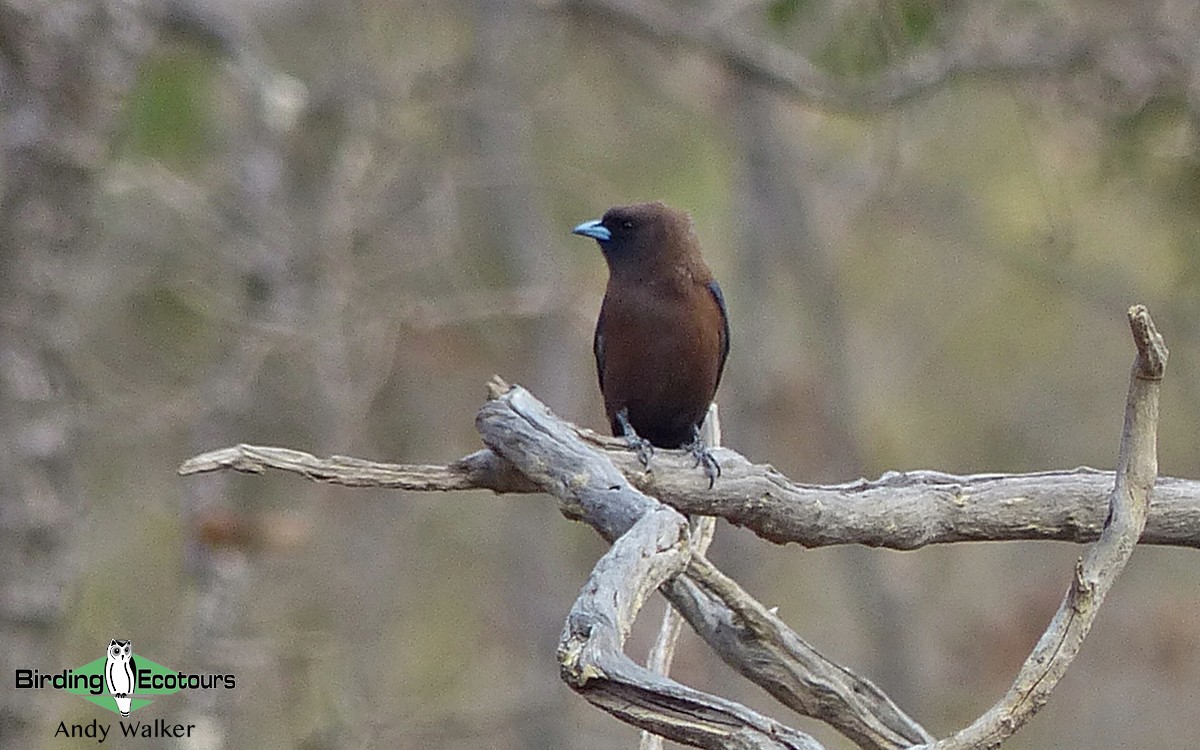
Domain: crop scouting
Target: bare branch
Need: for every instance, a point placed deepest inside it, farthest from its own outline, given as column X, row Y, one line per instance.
column 900, row 510
column 701, row 530
column 556, row 458
column 530, row 449
column 649, row 547
column 1096, row 571
column 354, row 472
column 589, row 488
column 593, row 664
column 759, row 645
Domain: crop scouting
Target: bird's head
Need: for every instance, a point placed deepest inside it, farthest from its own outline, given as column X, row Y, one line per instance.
column 640, row 233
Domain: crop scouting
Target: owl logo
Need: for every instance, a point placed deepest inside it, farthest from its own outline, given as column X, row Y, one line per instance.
column 119, row 671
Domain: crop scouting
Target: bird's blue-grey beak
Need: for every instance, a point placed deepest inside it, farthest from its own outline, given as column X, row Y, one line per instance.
column 593, row 229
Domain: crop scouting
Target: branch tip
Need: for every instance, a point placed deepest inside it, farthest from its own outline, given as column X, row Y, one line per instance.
column 1152, row 350
column 497, row 387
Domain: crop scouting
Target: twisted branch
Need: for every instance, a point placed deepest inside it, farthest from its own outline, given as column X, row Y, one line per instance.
column 598, row 482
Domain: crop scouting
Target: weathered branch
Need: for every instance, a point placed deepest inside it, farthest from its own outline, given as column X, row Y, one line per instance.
column 649, row 547
column 518, row 427
column 593, row 663
column 529, row 449
column 549, row 456
column 759, row 645
column 1096, row 571
column 900, row 510
column 701, row 531
column 771, row 655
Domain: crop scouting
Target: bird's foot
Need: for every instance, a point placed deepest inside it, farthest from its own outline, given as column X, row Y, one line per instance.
column 645, row 451
column 704, row 457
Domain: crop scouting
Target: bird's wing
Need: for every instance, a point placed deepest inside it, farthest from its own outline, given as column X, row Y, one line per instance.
column 598, row 347
column 715, row 289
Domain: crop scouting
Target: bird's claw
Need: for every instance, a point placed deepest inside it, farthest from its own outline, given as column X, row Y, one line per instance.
column 645, row 451
column 704, row 457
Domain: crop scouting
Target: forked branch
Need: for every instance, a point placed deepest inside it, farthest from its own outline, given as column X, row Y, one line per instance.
column 598, row 482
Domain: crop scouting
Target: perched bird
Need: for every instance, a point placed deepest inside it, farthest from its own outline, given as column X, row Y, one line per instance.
column 662, row 336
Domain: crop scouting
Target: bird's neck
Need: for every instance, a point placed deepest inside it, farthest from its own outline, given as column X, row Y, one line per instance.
column 661, row 277
column 676, row 276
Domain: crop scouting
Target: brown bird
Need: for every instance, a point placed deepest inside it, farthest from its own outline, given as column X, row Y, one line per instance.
column 663, row 335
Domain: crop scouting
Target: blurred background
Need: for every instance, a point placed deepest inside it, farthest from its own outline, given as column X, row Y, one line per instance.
column 325, row 225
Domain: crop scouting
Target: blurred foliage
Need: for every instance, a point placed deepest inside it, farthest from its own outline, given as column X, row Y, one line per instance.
column 783, row 13
column 869, row 38
column 171, row 106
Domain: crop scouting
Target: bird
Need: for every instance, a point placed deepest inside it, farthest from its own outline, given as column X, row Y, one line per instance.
column 662, row 336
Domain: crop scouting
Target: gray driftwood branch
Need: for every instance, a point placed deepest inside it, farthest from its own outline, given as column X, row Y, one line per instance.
column 1095, row 572
column 593, row 662
column 531, row 450
column 596, row 481
column 589, row 488
column 701, row 530
column 899, row 510
column 520, row 429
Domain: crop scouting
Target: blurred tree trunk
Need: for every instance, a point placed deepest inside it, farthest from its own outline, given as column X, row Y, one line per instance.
column 508, row 219
column 65, row 68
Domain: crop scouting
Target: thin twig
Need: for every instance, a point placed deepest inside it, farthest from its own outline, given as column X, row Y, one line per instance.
column 701, row 530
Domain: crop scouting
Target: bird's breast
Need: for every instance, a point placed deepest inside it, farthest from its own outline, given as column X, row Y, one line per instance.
column 662, row 358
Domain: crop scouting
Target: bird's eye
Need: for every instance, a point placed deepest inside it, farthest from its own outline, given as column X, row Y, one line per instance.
column 627, row 224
